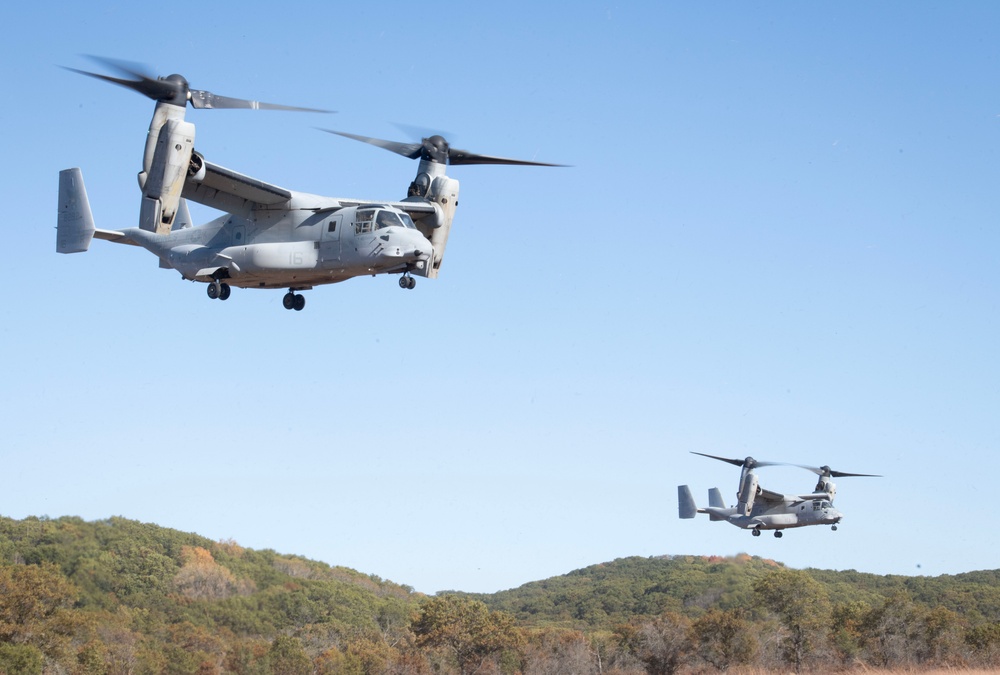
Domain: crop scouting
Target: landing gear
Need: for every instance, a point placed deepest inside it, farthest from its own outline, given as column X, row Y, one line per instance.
column 778, row 534
column 293, row 301
column 219, row 290
column 407, row 282
column 755, row 532
column 833, row 527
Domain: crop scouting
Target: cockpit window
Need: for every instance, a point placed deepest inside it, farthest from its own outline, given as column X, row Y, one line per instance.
column 363, row 221
column 387, row 219
column 407, row 221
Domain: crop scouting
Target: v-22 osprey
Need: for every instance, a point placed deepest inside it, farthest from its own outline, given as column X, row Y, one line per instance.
column 270, row 237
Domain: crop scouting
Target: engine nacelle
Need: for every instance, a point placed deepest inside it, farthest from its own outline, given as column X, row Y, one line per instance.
column 443, row 193
column 165, row 176
column 748, row 493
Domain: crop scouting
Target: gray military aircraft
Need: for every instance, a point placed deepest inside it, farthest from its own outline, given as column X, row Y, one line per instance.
column 759, row 509
column 269, row 237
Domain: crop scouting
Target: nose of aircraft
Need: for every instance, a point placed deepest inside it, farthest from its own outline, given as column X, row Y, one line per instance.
column 422, row 248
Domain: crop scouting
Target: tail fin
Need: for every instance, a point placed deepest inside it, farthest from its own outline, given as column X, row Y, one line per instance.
column 686, row 508
column 75, row 227
column 715, row 498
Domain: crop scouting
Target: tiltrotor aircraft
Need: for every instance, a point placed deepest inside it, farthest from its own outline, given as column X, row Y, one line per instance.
column 270, row 237
column 760, row 509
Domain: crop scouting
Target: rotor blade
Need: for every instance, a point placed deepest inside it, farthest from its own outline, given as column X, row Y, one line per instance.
column 827, row 471
column 154, row 89
column 749, row 461
column 175, row 89
column 207, row 100
column 457, row 157
column 408, row 150
column 734, row 462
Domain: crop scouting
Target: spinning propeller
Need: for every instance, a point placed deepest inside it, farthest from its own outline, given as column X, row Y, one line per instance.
column 436, row 149
column 174, row 89
column 748, row 463
column 827, row 472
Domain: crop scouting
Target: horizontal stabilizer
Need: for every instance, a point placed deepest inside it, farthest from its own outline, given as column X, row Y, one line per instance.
column 75, row 226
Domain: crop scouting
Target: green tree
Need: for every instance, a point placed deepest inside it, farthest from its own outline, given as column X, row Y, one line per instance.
column 889, row 631
column 20, row 660
column 984, row 640
column 724, row 638
column 847, row 629
column 466, row 629
column 942, row 636
column 803, row 608
column 287, row 657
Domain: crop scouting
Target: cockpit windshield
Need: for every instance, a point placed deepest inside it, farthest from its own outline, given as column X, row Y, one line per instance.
column 393, row 219
column 387, row 219
column 407, row 221
column 368, row 220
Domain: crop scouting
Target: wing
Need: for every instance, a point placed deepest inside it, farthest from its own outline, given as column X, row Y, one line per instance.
column 231, row 191
column 773, row 497
column 778, row 498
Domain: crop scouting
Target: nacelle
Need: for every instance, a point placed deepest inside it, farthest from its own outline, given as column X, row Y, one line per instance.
column 165, row 177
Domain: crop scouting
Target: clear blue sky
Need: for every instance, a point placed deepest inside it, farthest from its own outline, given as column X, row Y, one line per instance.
column 779, row 237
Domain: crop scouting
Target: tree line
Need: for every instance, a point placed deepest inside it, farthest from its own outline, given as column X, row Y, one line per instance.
column 117, row 597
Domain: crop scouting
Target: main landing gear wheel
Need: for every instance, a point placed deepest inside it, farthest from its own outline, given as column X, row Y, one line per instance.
column 293, row 301
column 755, row 532
column 219, row 290
column 409, row 283
column 777, row 534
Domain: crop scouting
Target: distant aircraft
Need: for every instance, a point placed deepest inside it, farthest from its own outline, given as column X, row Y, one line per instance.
column 759, row 509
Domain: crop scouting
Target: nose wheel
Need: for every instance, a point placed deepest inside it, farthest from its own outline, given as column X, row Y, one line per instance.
column 292, row 300
column 407, row 282
column 219, row 290
column 778, row 534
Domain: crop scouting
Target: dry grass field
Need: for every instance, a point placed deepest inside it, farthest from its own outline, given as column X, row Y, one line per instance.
column 867, row 671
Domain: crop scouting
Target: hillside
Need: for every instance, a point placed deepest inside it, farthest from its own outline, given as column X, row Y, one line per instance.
column 118, row 597
column 600, row 596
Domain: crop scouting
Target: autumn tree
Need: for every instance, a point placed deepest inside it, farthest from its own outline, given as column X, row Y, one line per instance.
column 558, row 652
column 847, row 629
column 802, row 607
column 984, row 640
column 466, row 629
column 941, row 639
column 889, row 631
column 201, row 578
column 661, row 645
column 34, row 607
column 724, row 638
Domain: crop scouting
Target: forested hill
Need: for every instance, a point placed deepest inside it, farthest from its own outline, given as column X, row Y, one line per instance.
column 120, row 597
column 603, row 595
column 116, row 566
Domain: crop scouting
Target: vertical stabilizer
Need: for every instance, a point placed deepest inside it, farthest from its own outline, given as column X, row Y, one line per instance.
column 75, row 226
column 715, row 498
column 686, row 508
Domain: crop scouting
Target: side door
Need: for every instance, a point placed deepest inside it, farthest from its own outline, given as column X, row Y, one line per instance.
column 329, row 244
